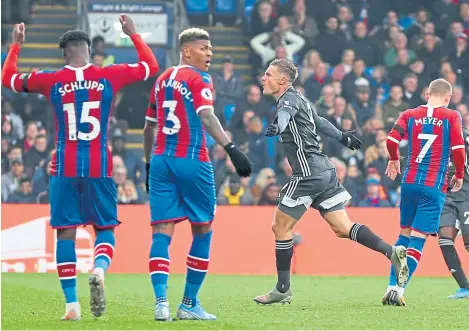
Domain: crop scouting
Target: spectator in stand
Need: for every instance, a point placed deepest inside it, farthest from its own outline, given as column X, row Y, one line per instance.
column 266, row 176
column 401, row 69
column 444, row 13
column 133, row 164
column 303, row 24
column 263, row 18
column 355, row 184
column 257, row 145
column 399, row 43
column 348, row 83
column 284, row 171
column 99, row 47
column 394, row 106
column 417, row 41
column 228, row 86
column 98, row 59
column 16, row 121
column 411, row 93
column 456, row 29
column 325, row 102
column 309, row 65
column 338, row 112
column 373, row 198
column 35, row 155
column 14, row 153
column 384, row 31
column 459, row 57
column 240, row 129
column 372, row 153
column 270, row 195
column 24, row 194
column 254, row 102
column 362, row 108
column 464, row 13
column 316, row 81
column 40, row 180
column 11, row 180
column 364, row 46
column 457, row 97
column 331, row 43
column 463, row 109
column 345, row 65
column 127, row 193
column 282, row 36
column 346, row 21
column 30, row 136
column 419, row 23
column 7, row 130
column 430, row 53
column 234, row 194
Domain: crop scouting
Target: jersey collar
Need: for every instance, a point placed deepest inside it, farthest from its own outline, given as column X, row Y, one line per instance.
column 290, row 87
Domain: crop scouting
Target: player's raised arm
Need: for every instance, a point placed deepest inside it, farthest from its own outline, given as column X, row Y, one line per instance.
column 35, row 82
column 147, row 66
column 458, row 151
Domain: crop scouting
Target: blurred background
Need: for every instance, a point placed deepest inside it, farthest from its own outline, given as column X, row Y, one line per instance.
column 361, row 63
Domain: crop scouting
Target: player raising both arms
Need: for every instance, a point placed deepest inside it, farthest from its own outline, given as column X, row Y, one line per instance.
column 434, row 131
column 181, row 181
column 314, row 181
column 456, row 208
column 82, row 190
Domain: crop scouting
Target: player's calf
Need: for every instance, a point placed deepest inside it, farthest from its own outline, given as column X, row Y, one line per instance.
column 103, row 253
column 66, row 260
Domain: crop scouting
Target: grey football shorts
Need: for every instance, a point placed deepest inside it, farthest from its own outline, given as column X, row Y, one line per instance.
column 322, row 192
column 455, row 214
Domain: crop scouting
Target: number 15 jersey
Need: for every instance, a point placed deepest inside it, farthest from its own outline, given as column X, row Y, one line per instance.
column 176, row 98
column 433, row 134
column 82, row 100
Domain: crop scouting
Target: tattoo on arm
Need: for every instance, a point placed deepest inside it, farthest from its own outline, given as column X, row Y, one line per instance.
column 213, row 127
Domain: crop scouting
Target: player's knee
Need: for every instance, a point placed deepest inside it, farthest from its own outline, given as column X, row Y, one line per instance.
column 66, row 234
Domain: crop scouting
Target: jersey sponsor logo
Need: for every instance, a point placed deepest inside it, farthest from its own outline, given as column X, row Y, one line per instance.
column 177, row 86
column 81, row 85
column 429, row 120
column 206, row 94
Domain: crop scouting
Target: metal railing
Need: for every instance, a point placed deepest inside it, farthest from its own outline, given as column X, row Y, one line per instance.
column 82, row 16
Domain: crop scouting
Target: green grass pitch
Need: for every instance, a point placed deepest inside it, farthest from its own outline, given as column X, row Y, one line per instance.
column 34, row 301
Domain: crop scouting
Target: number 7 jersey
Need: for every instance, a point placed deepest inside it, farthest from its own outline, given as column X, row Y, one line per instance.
column 433, row 134
column 176, row 98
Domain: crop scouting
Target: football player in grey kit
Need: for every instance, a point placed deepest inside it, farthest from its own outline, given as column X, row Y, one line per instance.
column 314, row 182
column 456, row 208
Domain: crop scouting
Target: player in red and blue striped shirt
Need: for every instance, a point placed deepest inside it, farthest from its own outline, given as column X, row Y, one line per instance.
column 81, row 188
column 181, row 181
column 434, row 132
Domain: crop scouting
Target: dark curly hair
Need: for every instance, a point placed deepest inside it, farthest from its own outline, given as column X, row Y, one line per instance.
column 75, row 37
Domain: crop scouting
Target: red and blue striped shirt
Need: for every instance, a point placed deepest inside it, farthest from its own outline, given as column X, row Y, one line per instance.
column 177, row 97
column 82, row 100
column 433, row 133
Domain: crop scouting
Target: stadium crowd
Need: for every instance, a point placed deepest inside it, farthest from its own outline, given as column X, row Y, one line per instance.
column 361, row 64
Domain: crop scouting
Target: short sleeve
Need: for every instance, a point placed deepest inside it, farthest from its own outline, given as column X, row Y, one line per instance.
column 289, row 103
column 151, row 110
column 202, row 92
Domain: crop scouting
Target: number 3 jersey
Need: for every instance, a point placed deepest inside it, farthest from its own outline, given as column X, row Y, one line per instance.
column 434, row 134
column 177, row 97
column 81, row 99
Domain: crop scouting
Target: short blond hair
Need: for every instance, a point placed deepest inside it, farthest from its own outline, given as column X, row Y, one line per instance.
column 287, row 68
column 440, row 87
